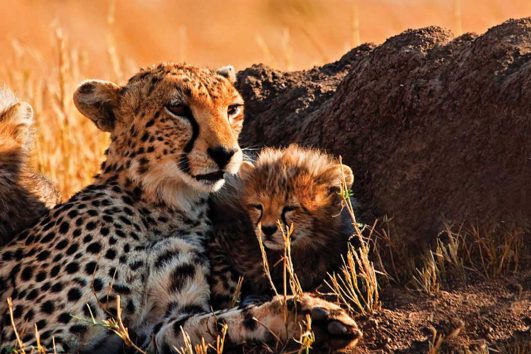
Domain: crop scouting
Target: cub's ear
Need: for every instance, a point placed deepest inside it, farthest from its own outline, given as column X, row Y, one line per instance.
column 245, row 170
column 336, row 174
column 98, row 100
column 20, row 113
column 227, row 72
column 18, row 119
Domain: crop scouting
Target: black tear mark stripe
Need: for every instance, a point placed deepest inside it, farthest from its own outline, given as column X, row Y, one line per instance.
column 184, row 162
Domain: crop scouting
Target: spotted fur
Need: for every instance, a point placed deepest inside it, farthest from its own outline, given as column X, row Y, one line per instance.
column 24, row 194
column 140, row 230
column 292, row 186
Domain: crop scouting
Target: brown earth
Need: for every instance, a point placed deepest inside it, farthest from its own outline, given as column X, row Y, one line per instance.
column 437, row 130
column 493, row 315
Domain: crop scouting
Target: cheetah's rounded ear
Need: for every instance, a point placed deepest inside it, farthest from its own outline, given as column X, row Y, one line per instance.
column 18, row 119
column 338, row 174
column 98, row 100
column 227, row 72
column 245, row 169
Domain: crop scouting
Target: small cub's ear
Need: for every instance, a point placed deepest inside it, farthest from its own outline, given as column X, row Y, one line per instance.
column 245, row 170
column 20, row 113
column 18, row 120
column 227, row 72
column 98, row 101
column 336, row 174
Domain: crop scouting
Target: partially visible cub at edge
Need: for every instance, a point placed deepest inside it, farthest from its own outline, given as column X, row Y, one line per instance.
column 24, row 194
column 296, row 186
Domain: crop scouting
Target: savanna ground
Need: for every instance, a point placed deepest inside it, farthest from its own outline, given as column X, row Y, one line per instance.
column 470, row 294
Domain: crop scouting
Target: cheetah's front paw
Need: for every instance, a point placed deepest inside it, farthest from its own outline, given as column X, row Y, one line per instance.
column 332, row 326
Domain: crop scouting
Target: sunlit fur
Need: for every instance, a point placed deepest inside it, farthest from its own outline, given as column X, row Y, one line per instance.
column 304, row 179
column 140, row 230
column 154, row 159
column 24, row 194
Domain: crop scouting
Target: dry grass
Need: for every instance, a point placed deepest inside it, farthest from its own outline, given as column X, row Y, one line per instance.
column 43, row 67
column 464, row 253
column 20, row 347
column 356, row 285
column 113, row 37
column 290, row 286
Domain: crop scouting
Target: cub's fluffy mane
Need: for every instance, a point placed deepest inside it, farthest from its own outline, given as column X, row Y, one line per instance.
column 291, row 170
column 312, row 161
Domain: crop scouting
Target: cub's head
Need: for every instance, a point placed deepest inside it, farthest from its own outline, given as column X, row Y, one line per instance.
column 294, row 186
column 16, row 119
column 170, row 124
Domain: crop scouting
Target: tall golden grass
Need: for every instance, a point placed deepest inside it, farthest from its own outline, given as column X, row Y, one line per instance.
column 48, row 47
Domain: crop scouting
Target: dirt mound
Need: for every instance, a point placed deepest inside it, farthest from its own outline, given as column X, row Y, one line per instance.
column 435, row 128
column 496, row 314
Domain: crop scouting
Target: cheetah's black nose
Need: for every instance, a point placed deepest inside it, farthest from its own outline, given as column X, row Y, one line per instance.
column 269, row 230
column 221, row 155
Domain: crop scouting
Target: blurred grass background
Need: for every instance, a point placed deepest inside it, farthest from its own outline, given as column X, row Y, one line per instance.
column 48, row 47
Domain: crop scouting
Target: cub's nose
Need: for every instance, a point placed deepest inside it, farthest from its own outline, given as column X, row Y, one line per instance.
column 221, row 155
column 269, row 230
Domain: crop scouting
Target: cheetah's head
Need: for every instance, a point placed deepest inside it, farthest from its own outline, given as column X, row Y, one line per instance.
column 294, row 186
column 169, row 124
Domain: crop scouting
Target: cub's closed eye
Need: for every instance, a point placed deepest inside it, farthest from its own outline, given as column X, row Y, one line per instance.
column 179, row 110
column 289, row 208
column 256, row 206
column 234, row 109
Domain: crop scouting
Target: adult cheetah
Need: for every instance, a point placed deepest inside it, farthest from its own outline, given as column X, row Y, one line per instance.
column 139, row 230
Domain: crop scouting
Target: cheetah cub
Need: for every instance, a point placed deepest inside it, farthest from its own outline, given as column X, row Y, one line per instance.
column 285, row 186
column 24, row 194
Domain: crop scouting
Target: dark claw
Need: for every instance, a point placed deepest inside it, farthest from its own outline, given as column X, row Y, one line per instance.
column 319, row 314
column 336, row 328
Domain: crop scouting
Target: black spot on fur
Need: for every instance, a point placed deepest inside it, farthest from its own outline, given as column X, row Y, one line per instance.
column 180, row 275
column 55, row 270
column 97, row 284
column 40, row 276
column 57, row 287
column 165, row 258
column 64, row 318
column 27, row 273
column 72, row 267
column 121, row 289
column 61, row 245
column 94, row 247
column 90, row 268
column 48, row 307
column 110, row 254
column 32, row 294
column 74, row 294
column 63, row 228
column 248, row 321
column 78, row 329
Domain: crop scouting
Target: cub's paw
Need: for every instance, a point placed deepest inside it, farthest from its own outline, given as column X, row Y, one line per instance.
column 332, row 326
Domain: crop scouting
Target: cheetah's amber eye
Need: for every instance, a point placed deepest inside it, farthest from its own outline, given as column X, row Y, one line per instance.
column 179, row 110
column 234, row 110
